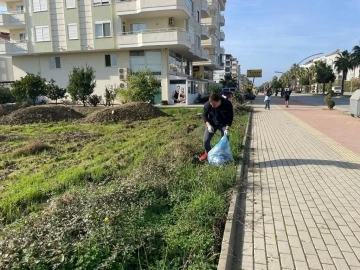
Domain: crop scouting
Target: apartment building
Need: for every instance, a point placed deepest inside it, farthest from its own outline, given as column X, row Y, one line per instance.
column 115, row 37
column 229, row 66
column 330, row 60
column 6, row 74
column 211, row 36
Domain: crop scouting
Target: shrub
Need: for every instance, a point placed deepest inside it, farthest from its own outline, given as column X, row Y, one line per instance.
column 31, row 86
column 238, row 96
column 328, row 101
column 54, row 92
column 110, row 94
column 81, row 83
column 6, row 96
column 215, row 88
column 124, row 95
column 94, row 100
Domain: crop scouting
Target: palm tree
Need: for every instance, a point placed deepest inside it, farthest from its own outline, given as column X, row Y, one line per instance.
column 294, row 73
column 311, row 74
column 343, row 63
column 228, row 81
column 356, row 56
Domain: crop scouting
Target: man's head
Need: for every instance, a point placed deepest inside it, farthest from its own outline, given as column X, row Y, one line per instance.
column 215, row 100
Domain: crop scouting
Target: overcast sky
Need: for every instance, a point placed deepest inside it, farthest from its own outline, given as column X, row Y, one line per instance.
column 273, row 34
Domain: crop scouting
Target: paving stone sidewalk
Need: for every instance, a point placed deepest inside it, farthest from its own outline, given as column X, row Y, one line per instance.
column 303, row 197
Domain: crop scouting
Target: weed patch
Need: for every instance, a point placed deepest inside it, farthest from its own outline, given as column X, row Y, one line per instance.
column 130, row 196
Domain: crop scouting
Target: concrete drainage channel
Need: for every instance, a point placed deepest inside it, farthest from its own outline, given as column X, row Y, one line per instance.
column 233, row 234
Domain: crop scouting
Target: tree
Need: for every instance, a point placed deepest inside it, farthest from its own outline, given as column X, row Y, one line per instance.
column 228, row 81
column 356, row 56
column 31, row 86
column 304, row 80
column 81, row 83
column 324, row 74
column 343, row 63
column 6, row 95
column 143, row 85
column 54, row 92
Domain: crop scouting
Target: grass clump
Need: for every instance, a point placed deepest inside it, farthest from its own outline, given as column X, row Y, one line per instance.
column 126, row 198
column 32, row 148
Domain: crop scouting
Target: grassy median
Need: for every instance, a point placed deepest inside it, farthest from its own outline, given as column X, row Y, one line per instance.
column 114, row 196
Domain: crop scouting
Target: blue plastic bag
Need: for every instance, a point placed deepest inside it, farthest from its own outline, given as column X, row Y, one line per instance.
column 221, row 153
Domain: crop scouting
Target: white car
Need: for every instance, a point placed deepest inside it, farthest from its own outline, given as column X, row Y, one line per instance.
column 336, row 89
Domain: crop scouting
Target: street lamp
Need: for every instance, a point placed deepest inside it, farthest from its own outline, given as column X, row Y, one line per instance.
column 308, row 57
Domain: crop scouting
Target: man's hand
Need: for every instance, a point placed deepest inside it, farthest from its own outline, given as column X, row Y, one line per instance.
column 210, row 129
column 227, row 132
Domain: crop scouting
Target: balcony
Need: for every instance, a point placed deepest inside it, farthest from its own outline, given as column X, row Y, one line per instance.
column 222, row 36
column 222, row 4
column 222, row 20
column 212, row 22
column 155, row 38
column 205, row 9
column 205, row 32
column 205, row 53
column 141, row 9
column 210, row 43
column 222, row 50
column 10, row 20
column 13, row 47
column 213, row 4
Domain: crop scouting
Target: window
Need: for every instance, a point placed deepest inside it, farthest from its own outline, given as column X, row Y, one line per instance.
column 40, row 5
column 70, row 4
column 102, row 29
column 110, row 60
column 101, row 2
column 42, row 33
column 55, row 63
column 72, row 31
column 20, row 9
column 22, row 37
column 139, row 60
column 138, row 27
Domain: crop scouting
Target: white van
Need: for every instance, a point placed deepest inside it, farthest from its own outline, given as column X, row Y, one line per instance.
column 336, row 89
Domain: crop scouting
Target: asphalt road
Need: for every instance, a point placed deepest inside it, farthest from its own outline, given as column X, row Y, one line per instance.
column 341, row 103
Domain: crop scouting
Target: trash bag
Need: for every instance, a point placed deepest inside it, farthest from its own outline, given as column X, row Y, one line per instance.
column 221, row 153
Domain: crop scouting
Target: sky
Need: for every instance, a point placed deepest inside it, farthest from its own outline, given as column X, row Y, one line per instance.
column 274, row 34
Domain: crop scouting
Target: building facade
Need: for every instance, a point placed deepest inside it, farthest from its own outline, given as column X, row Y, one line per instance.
column 114, row 37
column 211, row 37
column 229, row 66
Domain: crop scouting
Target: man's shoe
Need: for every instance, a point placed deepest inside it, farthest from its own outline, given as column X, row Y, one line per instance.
column 203, row 157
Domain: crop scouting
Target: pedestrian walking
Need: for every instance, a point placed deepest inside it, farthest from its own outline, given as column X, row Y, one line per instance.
column 267, row 99
column 218, row 114
column 287, row 96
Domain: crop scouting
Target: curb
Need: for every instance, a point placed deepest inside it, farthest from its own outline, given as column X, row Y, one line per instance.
column 238, row 198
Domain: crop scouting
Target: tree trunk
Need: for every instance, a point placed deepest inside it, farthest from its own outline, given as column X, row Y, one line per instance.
column 56, row 101
column 34, row 100
column 324, row 84
column 343, row 83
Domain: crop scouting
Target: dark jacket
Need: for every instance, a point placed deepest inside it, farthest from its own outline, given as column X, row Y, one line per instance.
column 221, row 116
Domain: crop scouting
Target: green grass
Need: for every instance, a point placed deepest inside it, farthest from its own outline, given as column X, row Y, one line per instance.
column 117, row 196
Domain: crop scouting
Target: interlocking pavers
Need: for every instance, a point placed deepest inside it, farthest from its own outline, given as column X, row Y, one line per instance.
column 303, row 192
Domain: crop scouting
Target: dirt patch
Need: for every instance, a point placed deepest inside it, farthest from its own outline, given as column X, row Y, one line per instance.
column 41, row 114
column 128, row 113
column 87, row 110
column 32, row 148
column 6, row 109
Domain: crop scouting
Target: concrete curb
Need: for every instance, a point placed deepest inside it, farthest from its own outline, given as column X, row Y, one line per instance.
column 234, row 217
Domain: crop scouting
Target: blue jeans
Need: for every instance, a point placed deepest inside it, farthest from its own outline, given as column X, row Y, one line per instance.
column 267, row 104
column 208, row 136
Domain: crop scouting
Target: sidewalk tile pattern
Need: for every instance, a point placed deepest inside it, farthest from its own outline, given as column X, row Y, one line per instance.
column 303, row 197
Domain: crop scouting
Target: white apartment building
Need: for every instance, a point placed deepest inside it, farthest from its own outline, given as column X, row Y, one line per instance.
column 211, row 36
column 229, row 66
column 115, row 37
column 330, row 60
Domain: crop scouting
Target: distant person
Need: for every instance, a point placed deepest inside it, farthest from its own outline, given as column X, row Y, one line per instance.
column 182, row 95
column 218, row 114
column 287, row 96
column 268, row 93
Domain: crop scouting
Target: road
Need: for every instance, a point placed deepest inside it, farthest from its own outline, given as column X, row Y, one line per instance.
column 341, row 103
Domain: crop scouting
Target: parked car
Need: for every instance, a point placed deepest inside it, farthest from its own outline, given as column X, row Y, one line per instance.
column 336, row 89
